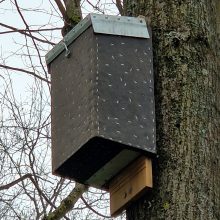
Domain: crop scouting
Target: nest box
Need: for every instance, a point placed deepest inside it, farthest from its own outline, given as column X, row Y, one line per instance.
column 103, row 113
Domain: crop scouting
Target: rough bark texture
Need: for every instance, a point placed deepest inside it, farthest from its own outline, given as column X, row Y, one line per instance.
column 67, row 204
column 187, row 87
column 73, row 15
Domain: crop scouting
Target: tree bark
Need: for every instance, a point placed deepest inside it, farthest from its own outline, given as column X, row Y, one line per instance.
column 73, row 15
column 187, row 87
column 67, row 204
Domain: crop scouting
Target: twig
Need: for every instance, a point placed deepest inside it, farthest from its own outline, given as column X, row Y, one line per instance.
column 89, row 207
column 35, row 45
column 31, row 30
column 25, row 33
column 95, row 6
column 25, row 71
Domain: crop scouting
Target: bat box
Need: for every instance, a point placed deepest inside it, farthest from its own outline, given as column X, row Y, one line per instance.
column 103, row 114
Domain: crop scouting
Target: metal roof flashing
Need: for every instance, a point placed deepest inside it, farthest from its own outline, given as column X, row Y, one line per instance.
column 103, row 24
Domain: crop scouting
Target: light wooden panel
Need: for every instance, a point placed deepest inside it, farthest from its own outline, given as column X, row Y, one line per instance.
column 130, row 184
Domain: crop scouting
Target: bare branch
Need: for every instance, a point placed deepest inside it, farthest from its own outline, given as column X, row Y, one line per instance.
column 31, row 30
column 7, row 186
column 22, row 178
column 68, row 203
column 25, row 139
column 25, row 71
column 120, row 7
column 90, row 207
column 35, row 45
column 61, row 8
column 25, row 33
column 95, row 6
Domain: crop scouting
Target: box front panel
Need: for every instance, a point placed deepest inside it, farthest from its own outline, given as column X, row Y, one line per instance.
column 125, row 90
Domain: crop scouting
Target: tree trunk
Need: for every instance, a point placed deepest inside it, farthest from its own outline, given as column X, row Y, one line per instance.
column 73, row 15
column 187, row 90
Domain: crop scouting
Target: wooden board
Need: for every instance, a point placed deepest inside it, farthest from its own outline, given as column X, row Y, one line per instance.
column 130, row 184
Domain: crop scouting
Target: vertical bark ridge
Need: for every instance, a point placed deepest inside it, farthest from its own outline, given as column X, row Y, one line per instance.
column 187, row 82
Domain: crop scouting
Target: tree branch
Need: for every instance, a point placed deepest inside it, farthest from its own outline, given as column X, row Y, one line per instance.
column 95, row 6
column 120, row 7
column 25, row 33
column 25, row 71
column 31, row 30
column 67, row 204
column 22, row 178
column 7, row 186
column 89, row 207
column 35, row 45
column 61, row 8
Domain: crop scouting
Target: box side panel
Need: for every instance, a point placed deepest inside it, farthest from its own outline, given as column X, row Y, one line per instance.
column 126, row 91
column 73, row 111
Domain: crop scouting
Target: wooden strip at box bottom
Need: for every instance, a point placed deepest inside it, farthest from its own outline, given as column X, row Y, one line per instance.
column 130, row 184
